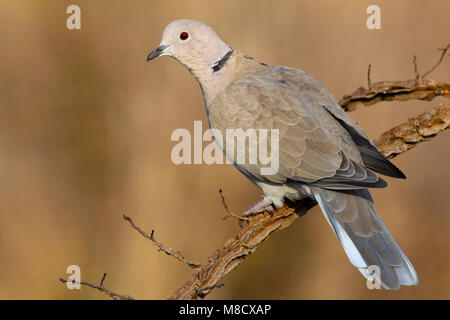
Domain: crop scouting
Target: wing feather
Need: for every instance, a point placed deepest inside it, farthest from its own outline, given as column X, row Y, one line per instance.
column 314, row 146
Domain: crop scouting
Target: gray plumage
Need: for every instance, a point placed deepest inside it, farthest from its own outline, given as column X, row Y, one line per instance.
column 323, row 154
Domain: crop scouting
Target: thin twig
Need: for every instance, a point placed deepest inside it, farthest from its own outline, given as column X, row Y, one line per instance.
column 441, row 58
column 161, row 247
column 230, row 213
column 103, row 279
column 203, row 292
column 418, row 88
column 101, row 288
column 416, row 71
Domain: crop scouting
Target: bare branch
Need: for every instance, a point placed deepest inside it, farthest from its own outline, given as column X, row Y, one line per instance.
column 369, row 82
column 418, row 129
column 101, row 288
column 420, row 89
column 202, row 292
column 237, row 249
column 441, row 58
column 230, row 213
column 416, row 71
column 161, row 247
column 103, row 279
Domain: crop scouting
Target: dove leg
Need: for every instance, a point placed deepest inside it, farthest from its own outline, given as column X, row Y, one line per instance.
column 263, row 204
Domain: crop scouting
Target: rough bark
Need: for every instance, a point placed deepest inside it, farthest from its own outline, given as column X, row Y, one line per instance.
column 420, row 89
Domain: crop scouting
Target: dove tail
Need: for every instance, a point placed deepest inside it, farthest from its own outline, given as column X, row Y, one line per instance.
column 366, row 240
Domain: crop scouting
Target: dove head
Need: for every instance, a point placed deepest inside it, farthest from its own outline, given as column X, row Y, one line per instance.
column 192, row 43
column 196, row 46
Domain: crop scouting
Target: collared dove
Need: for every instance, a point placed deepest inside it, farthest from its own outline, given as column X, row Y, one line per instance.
column 323, row 154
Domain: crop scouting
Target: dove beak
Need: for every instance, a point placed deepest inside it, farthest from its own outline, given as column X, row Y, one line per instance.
column 157, row 52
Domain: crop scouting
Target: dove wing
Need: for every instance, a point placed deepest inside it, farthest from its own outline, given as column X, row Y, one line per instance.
column 314, row 147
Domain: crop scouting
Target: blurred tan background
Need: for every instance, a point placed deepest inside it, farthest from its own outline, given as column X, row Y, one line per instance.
column 85, row 127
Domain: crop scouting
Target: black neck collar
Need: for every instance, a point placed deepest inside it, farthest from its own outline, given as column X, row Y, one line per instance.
column 222, row 61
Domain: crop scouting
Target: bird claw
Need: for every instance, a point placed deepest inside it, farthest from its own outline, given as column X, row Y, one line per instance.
column 263, row 204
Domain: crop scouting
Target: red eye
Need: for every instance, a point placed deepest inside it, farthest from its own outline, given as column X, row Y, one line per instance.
column 184, row 36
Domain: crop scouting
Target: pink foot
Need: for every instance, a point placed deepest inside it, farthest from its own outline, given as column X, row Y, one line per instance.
column 263, row 204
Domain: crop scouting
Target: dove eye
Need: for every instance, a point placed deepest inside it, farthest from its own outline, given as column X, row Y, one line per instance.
column 184, row 36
